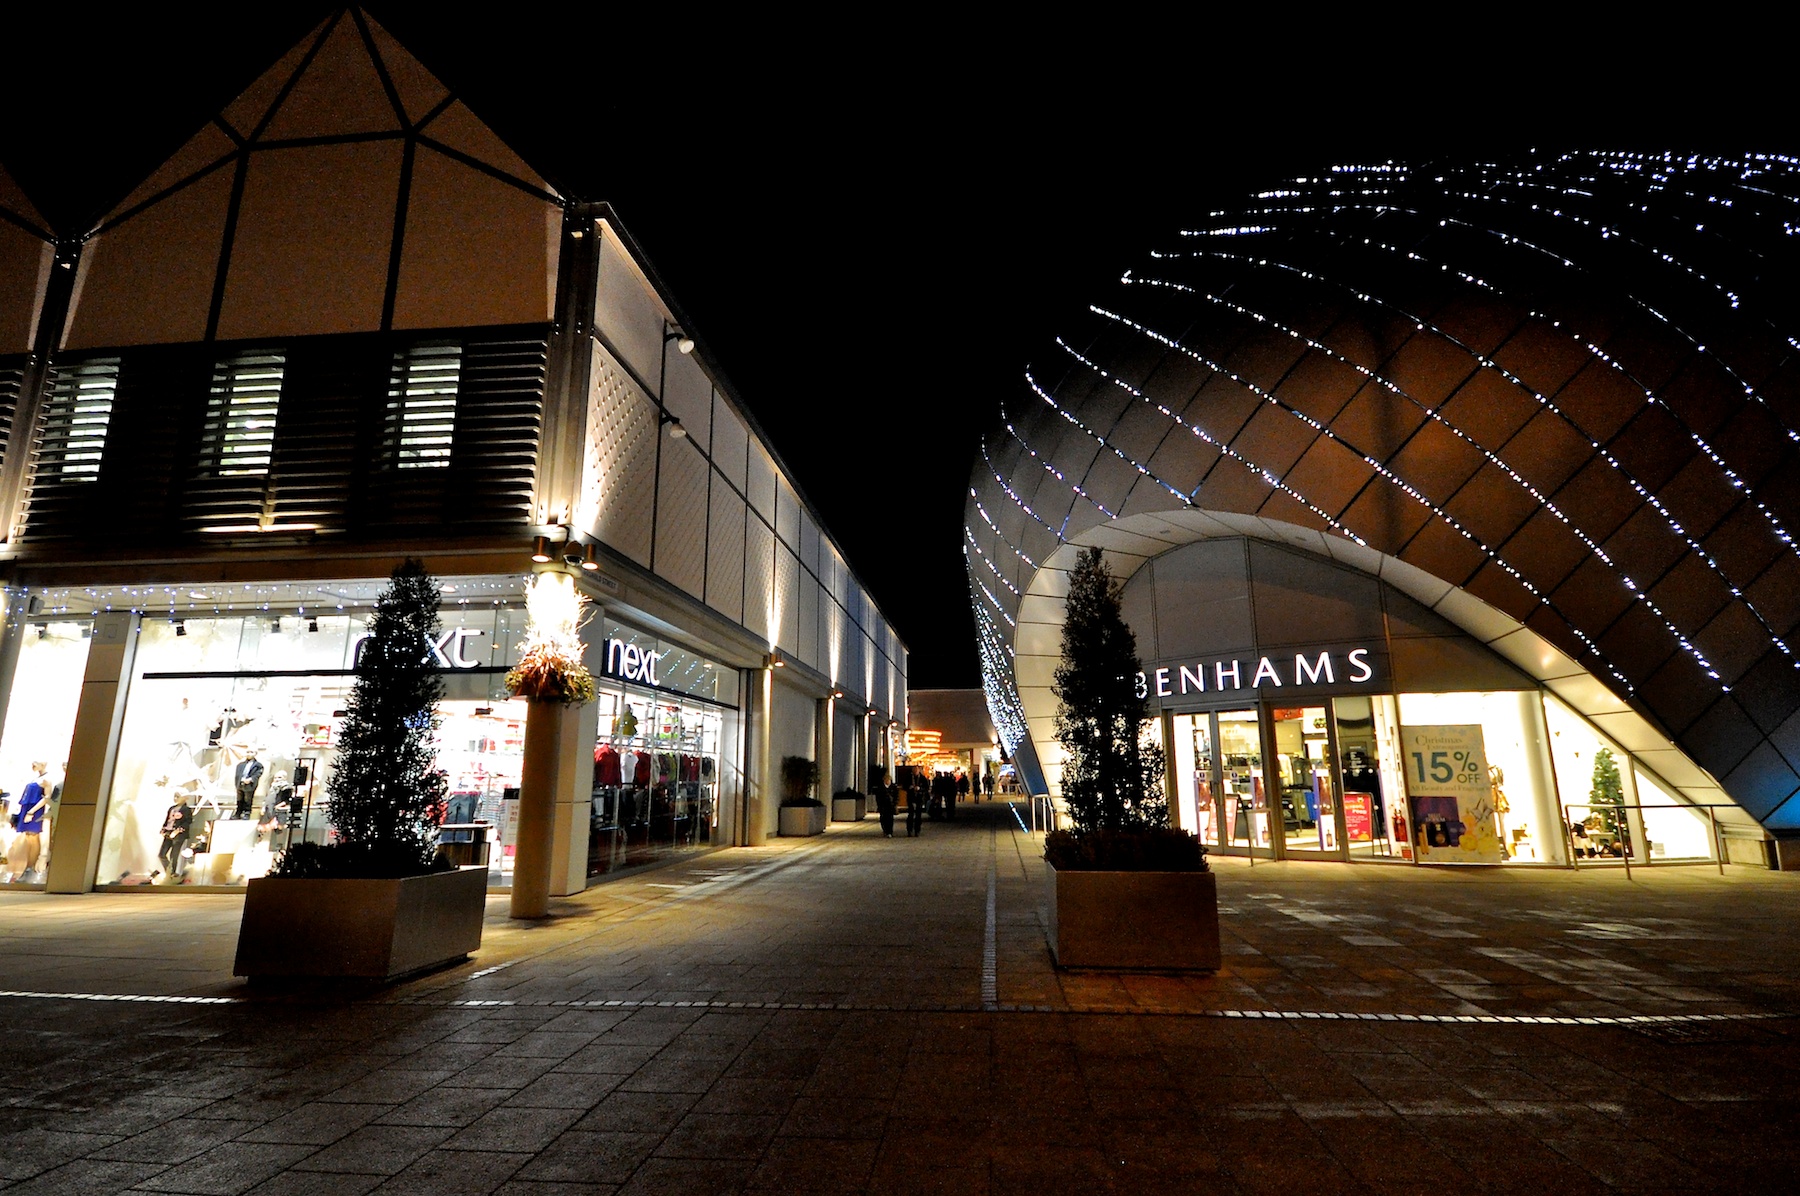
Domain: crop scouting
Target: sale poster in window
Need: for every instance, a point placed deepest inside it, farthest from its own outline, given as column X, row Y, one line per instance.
column 1451, row 796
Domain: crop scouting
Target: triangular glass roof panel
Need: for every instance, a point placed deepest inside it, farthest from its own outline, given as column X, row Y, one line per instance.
column 246, row 113
column 419, row 89
column 19, row 205
column 203, row 150
column 461, row 130
column 339, row 92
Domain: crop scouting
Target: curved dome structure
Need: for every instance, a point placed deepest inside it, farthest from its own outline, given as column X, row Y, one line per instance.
column 1554, row 404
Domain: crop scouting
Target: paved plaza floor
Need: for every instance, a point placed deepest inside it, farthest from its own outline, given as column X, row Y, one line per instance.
column 852, row 1013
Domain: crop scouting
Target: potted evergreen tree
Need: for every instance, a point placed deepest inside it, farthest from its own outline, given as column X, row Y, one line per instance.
column 801, row 812
column 376, row 902
column 1127, row 890
column 1606, row 800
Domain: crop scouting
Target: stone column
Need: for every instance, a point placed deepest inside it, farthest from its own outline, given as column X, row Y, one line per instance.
column 824, row 732
column 93, row 751
column 550, row 727
column 574, row 803
column 759, row 779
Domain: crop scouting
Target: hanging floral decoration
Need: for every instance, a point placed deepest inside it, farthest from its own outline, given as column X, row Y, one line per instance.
column 550, row 670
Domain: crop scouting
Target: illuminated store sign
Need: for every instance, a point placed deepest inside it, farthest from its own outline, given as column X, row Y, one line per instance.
column 446, row 650
column 1277, row 671
column 628, row 662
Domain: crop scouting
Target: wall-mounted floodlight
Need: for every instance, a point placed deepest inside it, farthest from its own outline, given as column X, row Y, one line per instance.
column 676, row 431
column 684, row 344
column 774, row 661
column 540, row 549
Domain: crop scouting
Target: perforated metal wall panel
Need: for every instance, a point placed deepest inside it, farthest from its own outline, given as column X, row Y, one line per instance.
column 725, row 552
column 619, row 465
column 681, row 506
column 760, row 615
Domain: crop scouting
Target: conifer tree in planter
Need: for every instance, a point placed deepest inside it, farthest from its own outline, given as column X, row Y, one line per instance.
column 801, row 812
column 376, row 902
column 1127, row 889
column 1607, row 795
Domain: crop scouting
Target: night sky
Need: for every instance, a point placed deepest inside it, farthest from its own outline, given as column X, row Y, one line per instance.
column 875, row 218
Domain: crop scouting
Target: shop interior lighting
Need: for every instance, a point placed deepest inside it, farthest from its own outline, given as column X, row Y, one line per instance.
column 43, row 630
column 312, row 624
column 684, row 344
column 275, row 625
column 180, row 627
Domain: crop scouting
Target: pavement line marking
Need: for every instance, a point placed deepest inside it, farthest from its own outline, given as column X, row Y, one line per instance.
column 990, row 983
column 1276, row 1015
column 490, row 971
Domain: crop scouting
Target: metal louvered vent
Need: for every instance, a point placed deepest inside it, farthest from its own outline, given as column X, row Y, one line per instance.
column 76, row 419
column 12, row 380
column 421, row 414
column 241, row 413
column 357, row 436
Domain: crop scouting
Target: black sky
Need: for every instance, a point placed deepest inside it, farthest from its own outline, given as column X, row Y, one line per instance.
column 875, row 218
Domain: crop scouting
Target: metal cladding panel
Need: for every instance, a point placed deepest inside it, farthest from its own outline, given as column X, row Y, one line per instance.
column 809, row 545
column 761, row 489
column 760, row 614
column 619, row 465
column 627, row 315
column 787, row 514
column 725, row 552
column 806, row 624
column 681, row 507
column 1575, row 408
column 687, row 393
column 730, row 442
column 787, row 599
column 25, row 263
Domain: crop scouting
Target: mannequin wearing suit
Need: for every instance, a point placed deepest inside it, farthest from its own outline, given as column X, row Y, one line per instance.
column 248, row 776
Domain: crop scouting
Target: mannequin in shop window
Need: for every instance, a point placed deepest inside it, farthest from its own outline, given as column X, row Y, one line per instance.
column 139, row 836
column 246, row 777
column 33, row 808
column 276, row 804
column 177, row 825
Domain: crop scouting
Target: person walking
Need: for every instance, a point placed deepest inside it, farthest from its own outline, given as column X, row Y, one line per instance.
column 884, row 806
column 915, row 809
column 987, row 785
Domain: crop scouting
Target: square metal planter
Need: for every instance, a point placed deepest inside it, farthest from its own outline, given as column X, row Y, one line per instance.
column 359, row 929
column 1143, row 921
column 803, row 820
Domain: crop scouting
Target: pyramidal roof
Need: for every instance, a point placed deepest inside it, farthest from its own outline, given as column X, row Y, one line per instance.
column 17, row 209
column 345, row 190
column 347, row 80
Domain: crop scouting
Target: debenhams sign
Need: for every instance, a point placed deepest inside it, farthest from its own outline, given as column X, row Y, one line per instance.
column 1276, row 672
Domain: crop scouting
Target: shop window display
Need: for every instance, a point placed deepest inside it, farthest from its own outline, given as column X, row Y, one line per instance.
column 229, row 732
column 1477, row 779
column 656, row 760
column 46, row 688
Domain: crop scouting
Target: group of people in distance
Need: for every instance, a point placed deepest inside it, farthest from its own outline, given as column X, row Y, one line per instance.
column 927, row 794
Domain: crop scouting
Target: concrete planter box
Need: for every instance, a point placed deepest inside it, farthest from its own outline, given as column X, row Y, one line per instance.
column 1149, row 921
column 803, row 820
column 361, row 929
column 849, row 809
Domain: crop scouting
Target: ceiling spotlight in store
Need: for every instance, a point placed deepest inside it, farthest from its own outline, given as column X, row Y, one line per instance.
column 684, row 344
column 312, row 624
column 275, row 625
column 43, row 629
column 540, row 549
column 483, row 711
column 180, row 626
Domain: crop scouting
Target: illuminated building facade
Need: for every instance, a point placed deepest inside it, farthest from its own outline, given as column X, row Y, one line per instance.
column 345, row 324
column 1454, row 506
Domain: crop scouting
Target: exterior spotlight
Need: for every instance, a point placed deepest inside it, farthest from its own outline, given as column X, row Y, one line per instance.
column 540, row 549
column 676, row 431
column 589, row 559
column 774, row 661
column 837, row 693
column 684, row 344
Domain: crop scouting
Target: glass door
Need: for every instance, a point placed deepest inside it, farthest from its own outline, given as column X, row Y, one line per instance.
column 1308, row 803
column 1195, row 802
column 1246, row 826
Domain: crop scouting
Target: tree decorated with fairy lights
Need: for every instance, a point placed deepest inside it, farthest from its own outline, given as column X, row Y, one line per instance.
column 1607, row 795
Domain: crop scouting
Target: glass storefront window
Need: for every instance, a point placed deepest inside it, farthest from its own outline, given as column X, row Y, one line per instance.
column 1307, row 803
column 1246, row 803
column 1672, row 831
column 1477, row 788
column 656, row 778
column 40, row 720
column 1594, row 778
column 230, row 725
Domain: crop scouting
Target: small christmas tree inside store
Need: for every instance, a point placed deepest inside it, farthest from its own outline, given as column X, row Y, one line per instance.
column 374, row 903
